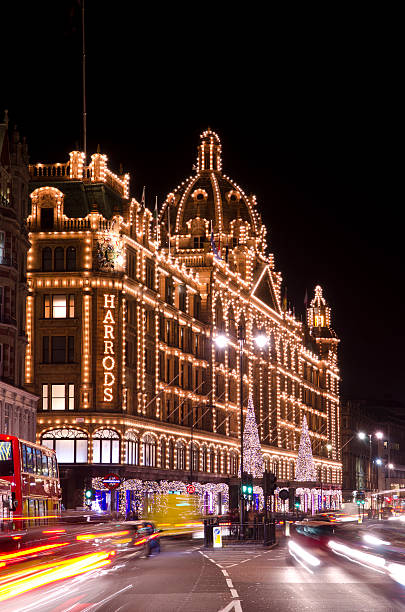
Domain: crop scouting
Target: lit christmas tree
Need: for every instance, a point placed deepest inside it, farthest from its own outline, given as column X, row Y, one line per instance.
column 252, row 451
column 305, row 468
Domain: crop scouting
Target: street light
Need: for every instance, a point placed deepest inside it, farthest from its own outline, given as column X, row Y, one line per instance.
column 390, row 466
column 222, row 341
column 261, row 340
column 379, row 435
column 329, row 447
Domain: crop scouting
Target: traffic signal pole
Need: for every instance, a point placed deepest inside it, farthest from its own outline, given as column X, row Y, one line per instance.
column 241, row 338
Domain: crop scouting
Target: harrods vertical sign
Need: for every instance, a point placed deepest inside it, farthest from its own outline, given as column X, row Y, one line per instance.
column 108, row 343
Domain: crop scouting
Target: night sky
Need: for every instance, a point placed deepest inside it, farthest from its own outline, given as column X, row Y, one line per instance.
column 308, row 111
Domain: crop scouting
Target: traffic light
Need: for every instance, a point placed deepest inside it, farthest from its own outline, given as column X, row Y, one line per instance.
column 297, row 502
column 270, row 481
column 291, row 498
column 247, row 486
column 360, row 498
column 89, row 495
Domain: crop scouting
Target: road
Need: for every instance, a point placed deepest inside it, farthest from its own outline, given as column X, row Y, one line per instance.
column 185, row 576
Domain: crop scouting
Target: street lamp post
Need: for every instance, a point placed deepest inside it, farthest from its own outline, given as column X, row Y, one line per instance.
column 222, row 341
column 379, row 435
column 241, row 338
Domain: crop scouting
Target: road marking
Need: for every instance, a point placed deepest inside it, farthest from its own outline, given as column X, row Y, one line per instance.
column 233, row 605
column 234, row 593
column 103, row 601
column 225, row 573
column 229, row 583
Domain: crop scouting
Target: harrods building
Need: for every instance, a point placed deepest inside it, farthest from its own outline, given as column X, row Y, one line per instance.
column 123, row 310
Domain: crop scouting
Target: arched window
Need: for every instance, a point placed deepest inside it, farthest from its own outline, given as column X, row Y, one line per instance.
column 266, row 464
column 46, row 259
column 233, row 464
column 163, row 453
column 70, row 444
column 212, row 460
column 195, row 457
column 204, row 459
column 59, row 259
column 106, row 446
column 71, row 259
column 131, row 448
column 171, row 454
column 180, row 456
column 149, row 451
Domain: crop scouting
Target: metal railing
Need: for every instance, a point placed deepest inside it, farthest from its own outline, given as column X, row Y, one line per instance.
column 248, row 533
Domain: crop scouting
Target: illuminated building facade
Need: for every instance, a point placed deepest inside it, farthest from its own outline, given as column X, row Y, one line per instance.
column 17, row 406
column 125, row 308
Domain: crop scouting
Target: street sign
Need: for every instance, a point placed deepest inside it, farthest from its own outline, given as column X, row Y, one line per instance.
column 284, row 494
column 217, row 535
column 111, row 481
column 190, row 489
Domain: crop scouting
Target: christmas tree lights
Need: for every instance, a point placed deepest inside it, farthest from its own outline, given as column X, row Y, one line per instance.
column 305, row 468
column 252, row 450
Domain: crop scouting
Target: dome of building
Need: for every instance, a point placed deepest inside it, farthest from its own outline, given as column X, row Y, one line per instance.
column 210, row 197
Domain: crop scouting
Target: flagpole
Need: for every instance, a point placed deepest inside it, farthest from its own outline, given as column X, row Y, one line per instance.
column 84, row 87
column 168, row 222
column 156, row 219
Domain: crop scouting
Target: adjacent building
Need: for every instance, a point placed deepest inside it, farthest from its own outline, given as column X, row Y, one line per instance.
column 123, row 311
column 17, row 406
column 376, row 462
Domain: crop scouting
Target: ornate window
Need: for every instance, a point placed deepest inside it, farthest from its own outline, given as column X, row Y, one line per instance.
column 163, row 453
column 180, row 456
column 212, row 460
column 46, row 259
column 171, row 454
column 71, row 445
column 149, row 451
column 71, row 259
column 58, row 397
column 194, row 457
column 59, row 259
column 106, row 446
column 59, row 306
column 204, row 459
column 233, row 463
column 131, row 448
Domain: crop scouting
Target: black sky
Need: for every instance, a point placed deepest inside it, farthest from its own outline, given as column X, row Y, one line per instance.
column 308, row 110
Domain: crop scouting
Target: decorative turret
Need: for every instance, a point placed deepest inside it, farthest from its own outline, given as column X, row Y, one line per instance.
column 209, row 152
column 319, row 324
column 318, row 314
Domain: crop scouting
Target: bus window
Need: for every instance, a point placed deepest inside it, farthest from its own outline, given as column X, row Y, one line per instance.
column 55, row 467
column 6, row 458
column 39, row 461
column 30, row 460
column 24, row 457
column 45, row 470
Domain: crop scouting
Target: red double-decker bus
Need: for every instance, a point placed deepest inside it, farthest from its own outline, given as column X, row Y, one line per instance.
column 33, row 473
